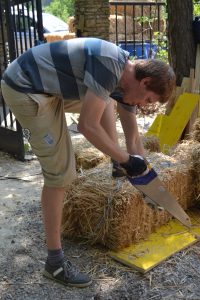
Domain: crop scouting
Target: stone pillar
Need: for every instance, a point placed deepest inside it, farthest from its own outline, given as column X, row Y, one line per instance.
column 92, row 18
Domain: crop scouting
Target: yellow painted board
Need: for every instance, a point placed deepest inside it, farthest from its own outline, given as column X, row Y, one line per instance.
column 166, row 241
column 180, row 115
column 155, row 127
column 171, row 126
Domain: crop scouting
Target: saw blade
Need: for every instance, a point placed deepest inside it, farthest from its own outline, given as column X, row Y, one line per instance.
column 153, row 188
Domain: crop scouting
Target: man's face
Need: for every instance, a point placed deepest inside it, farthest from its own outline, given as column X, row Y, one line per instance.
column 140, row 95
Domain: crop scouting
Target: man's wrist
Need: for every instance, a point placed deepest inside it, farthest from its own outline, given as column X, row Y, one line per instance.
column 125, row 163
column 125, row 159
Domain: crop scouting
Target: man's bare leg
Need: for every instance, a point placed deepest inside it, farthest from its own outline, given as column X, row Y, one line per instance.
column 52, row 206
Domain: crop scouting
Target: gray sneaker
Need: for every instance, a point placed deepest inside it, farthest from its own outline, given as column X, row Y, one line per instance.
column 67, row 275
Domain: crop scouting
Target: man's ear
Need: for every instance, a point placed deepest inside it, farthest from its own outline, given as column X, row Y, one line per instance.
column 145, row 82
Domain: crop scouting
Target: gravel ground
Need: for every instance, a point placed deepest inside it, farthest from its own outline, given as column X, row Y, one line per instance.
column 23, row 252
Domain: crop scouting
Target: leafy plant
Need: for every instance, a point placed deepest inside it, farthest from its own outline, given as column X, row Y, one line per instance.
column 61, row 9
column 196, row 5
column 160, row 40
column 27, row 147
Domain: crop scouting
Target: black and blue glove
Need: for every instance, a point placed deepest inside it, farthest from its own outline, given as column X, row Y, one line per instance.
column 135, row 166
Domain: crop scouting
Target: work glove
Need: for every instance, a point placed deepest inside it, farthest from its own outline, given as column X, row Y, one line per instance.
column 135, row 166
column 117, row 170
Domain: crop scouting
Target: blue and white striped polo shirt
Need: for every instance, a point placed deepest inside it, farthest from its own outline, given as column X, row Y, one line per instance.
column 69, row 68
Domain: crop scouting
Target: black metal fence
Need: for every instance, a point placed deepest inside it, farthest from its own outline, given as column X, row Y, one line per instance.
column 138, row 27
column 20, row 28
column 26, row 21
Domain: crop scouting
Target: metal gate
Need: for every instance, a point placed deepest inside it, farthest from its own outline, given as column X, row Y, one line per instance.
column 138, row 27
column 20, row 28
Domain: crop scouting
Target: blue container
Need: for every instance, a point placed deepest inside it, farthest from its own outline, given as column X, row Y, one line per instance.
column 139, row 49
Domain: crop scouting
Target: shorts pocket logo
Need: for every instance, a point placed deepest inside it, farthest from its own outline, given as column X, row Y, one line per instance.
column 48, row 139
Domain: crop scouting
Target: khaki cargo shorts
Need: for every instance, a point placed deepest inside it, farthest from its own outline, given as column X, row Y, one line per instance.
column 43, row 120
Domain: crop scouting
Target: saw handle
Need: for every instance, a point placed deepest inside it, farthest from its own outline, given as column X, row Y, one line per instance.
column 143, row 179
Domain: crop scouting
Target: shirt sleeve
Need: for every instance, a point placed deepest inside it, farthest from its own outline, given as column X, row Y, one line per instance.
column 118, row 96
column 103, row 69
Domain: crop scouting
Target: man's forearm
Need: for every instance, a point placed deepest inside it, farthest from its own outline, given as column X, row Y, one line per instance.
column 90, row 125
column 133, row 141
column 101, row 140
column 137, row 147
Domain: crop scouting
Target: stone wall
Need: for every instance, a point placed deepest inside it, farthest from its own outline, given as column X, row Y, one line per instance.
column 92, row 18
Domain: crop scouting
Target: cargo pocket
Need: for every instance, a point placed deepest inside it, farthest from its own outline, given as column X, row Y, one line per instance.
column 43, row 101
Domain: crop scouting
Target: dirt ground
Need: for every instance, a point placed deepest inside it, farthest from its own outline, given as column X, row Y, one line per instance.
column 23, row 252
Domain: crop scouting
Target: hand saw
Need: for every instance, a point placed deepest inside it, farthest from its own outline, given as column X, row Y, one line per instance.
column 150, row 185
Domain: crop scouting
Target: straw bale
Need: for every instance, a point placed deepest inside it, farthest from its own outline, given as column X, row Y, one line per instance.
column 86, row 155
column 113, row 213
column 195, row 134
column 141, row 31
column 89, row 158
column 53, row 37
column 184, row 151
column 196, row 171
column 151, row 143
column 189, row 153
column 71, row 24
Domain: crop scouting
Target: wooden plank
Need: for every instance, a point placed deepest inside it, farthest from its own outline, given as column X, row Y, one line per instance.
column 185, row 87
column 196, row 90
column 190, row 123
column 172, row 126
column 166, row 241
column 172, row 101
column 189, row 85
column 192, row 81
column 197, row 72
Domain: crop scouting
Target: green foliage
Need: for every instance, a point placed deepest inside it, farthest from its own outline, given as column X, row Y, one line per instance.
column 27, row 147
column 160, row 40
column 196, row 11
column 61, row 9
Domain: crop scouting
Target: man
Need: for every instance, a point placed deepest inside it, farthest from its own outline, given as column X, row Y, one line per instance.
column 52, row 78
